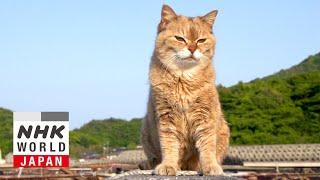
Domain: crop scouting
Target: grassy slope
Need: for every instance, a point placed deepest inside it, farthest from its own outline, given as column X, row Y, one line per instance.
column 5, row 130
column 281, row 108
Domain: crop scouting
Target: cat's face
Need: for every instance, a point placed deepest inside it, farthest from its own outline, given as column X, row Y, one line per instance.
column 182, row 42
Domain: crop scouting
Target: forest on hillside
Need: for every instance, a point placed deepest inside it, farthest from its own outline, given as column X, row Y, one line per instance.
column 282, row 108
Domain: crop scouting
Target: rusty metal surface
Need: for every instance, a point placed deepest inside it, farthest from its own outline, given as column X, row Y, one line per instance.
column 293, row 158
column 149, row 177
column 232, row 172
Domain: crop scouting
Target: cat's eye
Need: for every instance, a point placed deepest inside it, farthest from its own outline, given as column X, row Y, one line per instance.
column 181, row 39
column 201, row 40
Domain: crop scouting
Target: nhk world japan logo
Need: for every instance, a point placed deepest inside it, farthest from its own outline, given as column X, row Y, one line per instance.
column 41, row 139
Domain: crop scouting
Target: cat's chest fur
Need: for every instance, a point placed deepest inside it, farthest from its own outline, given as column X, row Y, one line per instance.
column 182, row 94
column 179, row 93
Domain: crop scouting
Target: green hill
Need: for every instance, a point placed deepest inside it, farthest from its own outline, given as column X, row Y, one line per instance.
column 310, row 64
column 280, row 108
column 6, row 124
column 111, row 132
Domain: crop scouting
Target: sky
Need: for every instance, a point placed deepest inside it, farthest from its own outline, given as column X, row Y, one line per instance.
column 91, row 58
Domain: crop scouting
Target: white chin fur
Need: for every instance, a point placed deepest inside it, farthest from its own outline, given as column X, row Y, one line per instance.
column 184, row 63
column 185, row 53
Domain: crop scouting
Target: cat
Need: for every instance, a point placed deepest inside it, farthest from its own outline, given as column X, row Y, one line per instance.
column 184, row 128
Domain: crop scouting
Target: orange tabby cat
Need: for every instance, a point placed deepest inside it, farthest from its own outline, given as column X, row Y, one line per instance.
column 184, row 128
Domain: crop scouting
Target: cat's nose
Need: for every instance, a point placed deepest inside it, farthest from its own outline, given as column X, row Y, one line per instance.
column 192, row 48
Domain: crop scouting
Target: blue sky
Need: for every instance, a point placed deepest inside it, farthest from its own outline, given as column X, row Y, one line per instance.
column 91, row 57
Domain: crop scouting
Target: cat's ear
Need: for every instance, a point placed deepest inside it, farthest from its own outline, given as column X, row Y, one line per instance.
column 210, row 17
column 167, row 15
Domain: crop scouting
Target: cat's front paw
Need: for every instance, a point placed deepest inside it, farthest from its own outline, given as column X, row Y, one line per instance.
column 166, row 170
column 212, row 170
